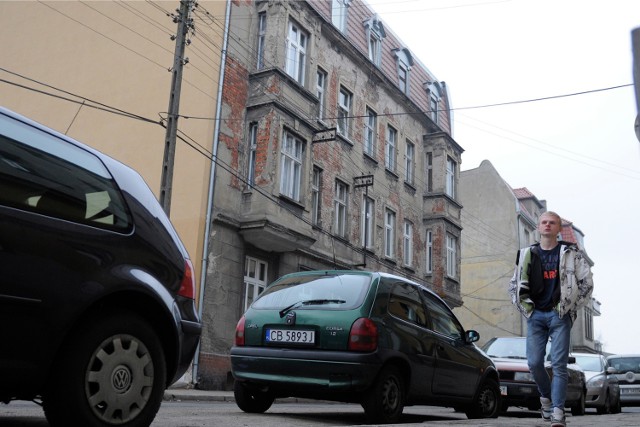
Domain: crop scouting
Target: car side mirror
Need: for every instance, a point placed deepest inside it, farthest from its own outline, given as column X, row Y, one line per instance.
column 611, row 370
column 471, row 336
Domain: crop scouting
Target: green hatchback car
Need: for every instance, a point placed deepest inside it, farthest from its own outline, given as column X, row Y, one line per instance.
column 362, row 337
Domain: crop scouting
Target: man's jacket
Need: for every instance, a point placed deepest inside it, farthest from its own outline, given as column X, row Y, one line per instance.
column 576, row 280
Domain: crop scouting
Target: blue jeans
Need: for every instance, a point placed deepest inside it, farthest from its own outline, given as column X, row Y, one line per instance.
column 542, row 326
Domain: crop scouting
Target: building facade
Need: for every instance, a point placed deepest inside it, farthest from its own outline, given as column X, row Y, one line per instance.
column 497, row 221
column 335, row 152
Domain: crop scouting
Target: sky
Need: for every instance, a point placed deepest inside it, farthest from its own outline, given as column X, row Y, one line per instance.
column 572, row 143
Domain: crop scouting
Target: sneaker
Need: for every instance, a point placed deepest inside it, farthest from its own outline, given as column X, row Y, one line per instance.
column 545, row 409
column 557, row 418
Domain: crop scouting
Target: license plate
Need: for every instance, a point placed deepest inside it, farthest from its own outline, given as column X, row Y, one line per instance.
column 629, row 390
column 297, row 336
column 503, row 390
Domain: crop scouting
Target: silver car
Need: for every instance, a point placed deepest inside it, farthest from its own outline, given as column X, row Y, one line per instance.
column 603, row 389
column 627, row 370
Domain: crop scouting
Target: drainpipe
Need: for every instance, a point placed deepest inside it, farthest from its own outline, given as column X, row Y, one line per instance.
column 212, row 181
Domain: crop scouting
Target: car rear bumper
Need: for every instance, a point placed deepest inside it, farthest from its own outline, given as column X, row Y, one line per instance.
column 290, row 370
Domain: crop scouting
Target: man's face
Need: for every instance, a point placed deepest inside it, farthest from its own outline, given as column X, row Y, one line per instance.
column 549, row 226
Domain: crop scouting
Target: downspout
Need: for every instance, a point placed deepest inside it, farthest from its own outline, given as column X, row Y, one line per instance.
column 212, row 181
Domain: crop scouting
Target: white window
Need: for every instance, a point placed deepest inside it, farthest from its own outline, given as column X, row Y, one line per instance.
column 296, row 52
column 409, row 162
column 390, row 149
column 315, row 196
column 339, row 14
column 451, row 255
column 403, row 77
column 367, row 222
column 434, row 108
column 321, row 89
column 429, row 252
column 291, row 166
column 370, row 131
column 340, row 209
column 429, row 172
column 375, row 47
column 262, row 32
column 253, row 146
column 451, row 178
column 407, row 243
column 389, row 233
column 255, row 279
column 344, row 112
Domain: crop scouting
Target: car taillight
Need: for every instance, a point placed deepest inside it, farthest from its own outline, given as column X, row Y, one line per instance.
column 363, row 335
column 188, row 283
column 239, row 341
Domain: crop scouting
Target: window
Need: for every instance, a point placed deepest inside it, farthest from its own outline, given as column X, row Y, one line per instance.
column 404, row 62
column 434, row 109
column 339, row 14
column 588, row 324
column 262, row 31
column 367, row 222
column 52, row 177
column 429, row 252
column 409, row 162
column 344, row 112
column 389, row 233
column 291, row 166
column 370, row 130
column 253, row 146
column 442, row 320
column 451, row 255
column 435, row 94
column 407, row 243
column 340, row 209
column 375, row 33
column 255, row 279
column 390, row 149
column 429, row 172
column 316, row 184
column 296, row 53
column 405, row 303
column 321, row 89
column 451, row 178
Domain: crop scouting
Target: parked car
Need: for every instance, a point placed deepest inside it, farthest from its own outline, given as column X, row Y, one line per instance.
column 516, row 382
column 627, row 370
column 603, row 389
column 96, row 292
column 365, row 337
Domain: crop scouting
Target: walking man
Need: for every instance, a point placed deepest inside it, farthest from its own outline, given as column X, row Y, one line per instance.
column 552, row 279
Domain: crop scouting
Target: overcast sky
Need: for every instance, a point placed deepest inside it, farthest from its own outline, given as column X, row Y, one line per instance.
column 578, row 152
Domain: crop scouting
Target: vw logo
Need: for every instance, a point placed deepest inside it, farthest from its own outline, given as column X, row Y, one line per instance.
column 630, row 377
column 121, row 379
column 291, row 318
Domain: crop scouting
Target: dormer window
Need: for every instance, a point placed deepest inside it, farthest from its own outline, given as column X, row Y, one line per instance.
column 404, row 62
column 339, row 14
column 375, row 34
column 435, row 94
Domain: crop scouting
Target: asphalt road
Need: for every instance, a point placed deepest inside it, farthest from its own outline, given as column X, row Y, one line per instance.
column 194, row 413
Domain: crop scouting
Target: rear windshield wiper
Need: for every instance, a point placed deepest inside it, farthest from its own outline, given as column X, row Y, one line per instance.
column 285, row 310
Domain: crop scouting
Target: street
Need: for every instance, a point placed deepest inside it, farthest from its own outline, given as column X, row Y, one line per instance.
column 206, row 414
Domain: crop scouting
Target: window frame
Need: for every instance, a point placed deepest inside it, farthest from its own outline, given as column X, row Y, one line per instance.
column 389, row 233
column 370, row 132
column 340, row 208
column 291, row 166
column 452, row 254
column 429, row 252
column 339, row 11
column 409, row 163
column 262, row 32
column 316, row 185
column 345, row 104
column 407, row 243
column 450, row 183
column 254, row 286
column 321, row 92
column 367, row 217
column 253, row 148
column 390, row 148
column 296, row 52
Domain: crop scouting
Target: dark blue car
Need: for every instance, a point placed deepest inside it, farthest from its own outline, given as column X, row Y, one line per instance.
column 97, row 311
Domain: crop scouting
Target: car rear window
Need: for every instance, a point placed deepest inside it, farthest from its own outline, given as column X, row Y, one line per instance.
column 315, row 292
column 625, row 364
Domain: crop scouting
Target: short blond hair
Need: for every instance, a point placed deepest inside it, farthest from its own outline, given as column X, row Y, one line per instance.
column 553, row 214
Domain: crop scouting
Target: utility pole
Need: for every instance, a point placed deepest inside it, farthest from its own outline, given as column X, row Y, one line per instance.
column 635, row 45
column 185, row 22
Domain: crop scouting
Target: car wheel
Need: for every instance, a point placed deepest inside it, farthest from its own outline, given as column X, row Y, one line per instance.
column 606, row 408
column 112, row 372
column 579, row 407
column 486, row 403
column 384, row 401
column 616, row 406
column 252, row 400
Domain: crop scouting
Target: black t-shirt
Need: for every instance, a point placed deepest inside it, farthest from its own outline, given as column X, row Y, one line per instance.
column 550, row 260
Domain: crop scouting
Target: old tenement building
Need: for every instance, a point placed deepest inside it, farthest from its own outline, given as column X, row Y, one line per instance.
column 334, row 152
